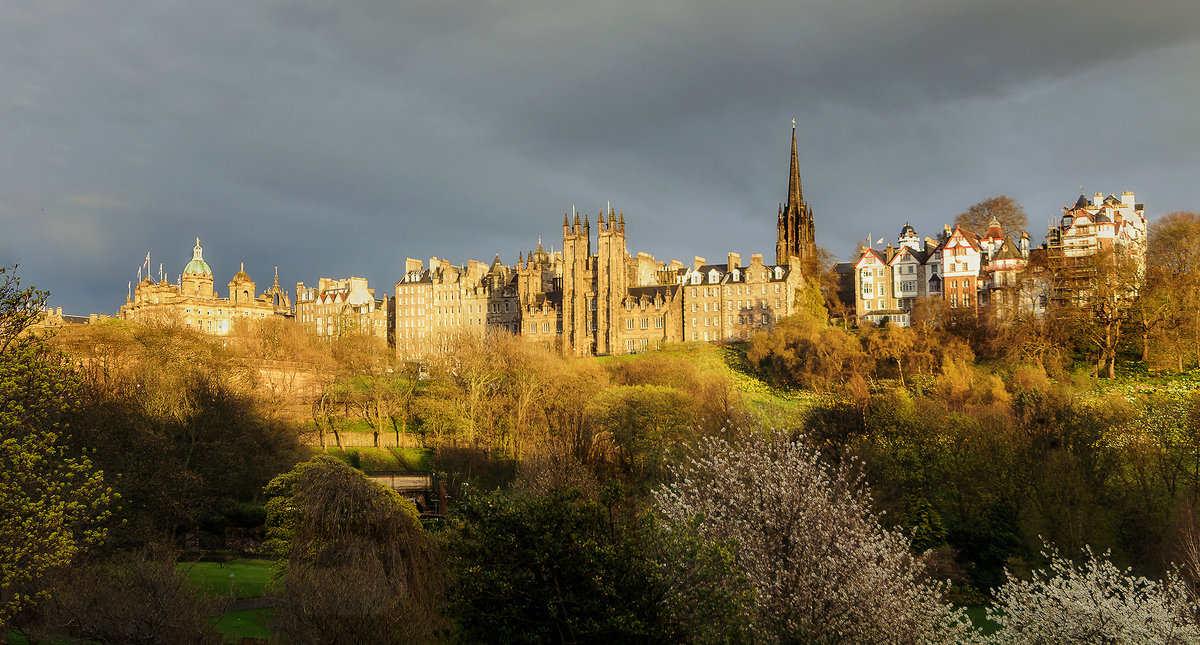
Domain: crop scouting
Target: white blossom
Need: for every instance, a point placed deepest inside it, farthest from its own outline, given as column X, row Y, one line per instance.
column 1094, row 602
column 822, row 568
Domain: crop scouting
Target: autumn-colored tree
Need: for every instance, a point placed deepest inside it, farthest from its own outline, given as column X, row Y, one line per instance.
column 1173, row 274
column 1004, row 209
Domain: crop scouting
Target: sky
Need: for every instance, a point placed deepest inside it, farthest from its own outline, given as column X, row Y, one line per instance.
column 338, row 138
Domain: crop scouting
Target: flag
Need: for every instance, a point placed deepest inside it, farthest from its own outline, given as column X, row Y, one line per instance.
column 146, row 263
column 880, row 241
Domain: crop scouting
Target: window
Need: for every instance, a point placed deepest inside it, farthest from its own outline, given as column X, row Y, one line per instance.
column 867, row 305
column 645, row 323
column 658, row 322
column 695, row 307
column 645, row 344
column 966, row 300
column 545, row 328
column 954, row 300
column 776, row 288
column 693, row 292
column 533, row 328
column 629, row 323
column 629, row 346
column 777, row 303
column 766, row 319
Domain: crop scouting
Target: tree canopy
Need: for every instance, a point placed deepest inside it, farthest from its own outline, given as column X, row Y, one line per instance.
column 1004, row 209
column 53, row 503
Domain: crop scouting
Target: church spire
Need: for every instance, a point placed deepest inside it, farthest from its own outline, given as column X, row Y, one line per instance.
column 795, row 190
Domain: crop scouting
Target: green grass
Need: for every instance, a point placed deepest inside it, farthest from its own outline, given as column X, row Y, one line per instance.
column 251, row 623
column 368, row 459
column 978, row 616
column 241, row 578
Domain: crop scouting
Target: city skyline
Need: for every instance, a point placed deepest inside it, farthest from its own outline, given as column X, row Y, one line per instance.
column 336, row 141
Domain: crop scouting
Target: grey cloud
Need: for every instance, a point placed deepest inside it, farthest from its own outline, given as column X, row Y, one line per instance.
column 337, row 138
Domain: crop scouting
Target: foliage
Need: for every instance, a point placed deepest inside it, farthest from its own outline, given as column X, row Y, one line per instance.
column 564, row 568
column 807, row 352
column 822, row 568
column 53, row 501
column 1094, row 602
column 170, row 411
column 353, row 563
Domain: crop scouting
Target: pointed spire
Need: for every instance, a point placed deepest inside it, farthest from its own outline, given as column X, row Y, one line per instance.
column 795, row 190
column 621, row 224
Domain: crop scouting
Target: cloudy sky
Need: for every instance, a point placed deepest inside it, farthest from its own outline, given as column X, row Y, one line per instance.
column 337, row 138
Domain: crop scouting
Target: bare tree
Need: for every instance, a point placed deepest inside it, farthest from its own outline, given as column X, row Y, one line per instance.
column 1004, row 209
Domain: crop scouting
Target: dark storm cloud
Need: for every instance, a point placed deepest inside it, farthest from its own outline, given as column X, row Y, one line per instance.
column 337, row 138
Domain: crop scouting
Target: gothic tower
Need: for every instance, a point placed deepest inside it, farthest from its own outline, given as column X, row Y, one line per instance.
column 576, row 286
column 795, row 224
column 610, row 280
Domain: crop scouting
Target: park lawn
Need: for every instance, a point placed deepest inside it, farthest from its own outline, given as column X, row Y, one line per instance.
column 368, row 460
column 240, row 578
column 244, row 623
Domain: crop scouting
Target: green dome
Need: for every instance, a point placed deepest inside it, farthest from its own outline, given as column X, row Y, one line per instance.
column 197, row 266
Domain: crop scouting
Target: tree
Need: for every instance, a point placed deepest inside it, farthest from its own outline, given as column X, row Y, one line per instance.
column 560, row 567
column 133, row 597
column 640, row 424
column 1093, row 602
column 53, row 503
column 1004, row 209
column 1174, row 272
column 822, row 568
column 353, row 564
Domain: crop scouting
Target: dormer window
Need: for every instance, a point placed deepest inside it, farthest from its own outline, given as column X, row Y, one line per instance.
column 713, row 276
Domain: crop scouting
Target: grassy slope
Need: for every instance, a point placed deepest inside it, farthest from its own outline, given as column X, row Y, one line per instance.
column 236, row 579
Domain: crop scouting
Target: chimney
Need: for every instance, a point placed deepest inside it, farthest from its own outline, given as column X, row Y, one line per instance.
column 1127, row 199
column 1098, row 200
column 411, row 265
column 735, row 261
column 756, row 260
column 697, row 262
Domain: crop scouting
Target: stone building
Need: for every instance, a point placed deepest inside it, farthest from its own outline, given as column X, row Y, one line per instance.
column 335, row 308
column 194, row 302
column 595, row 298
